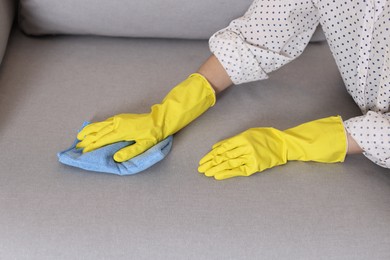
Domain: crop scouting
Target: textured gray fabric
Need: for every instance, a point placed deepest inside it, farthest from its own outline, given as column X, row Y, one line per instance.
column 153, row 18
column 6, row 17
column 318, row 35
column 296, row 211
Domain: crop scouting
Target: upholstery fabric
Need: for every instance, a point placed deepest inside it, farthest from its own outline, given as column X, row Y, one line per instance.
column 154, row 18
column 6, row 18
column 297, row 211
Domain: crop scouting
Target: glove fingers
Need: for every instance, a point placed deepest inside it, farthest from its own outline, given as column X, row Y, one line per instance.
column 217, row 151
column 133, row 150
column 225, row 166
column 104, row 137
column 211, row 160
column 97, row 139
column 207, row 158
column 220, row 143
column 218, row 156
column 206, row 166
column 237, row 172
column 93, row 128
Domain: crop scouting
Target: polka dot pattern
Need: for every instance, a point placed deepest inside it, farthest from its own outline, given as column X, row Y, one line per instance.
column 274, row 32
column 372, row 132
column 269, row 35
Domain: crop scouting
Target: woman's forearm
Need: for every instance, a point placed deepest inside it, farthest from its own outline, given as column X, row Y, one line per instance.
column 215, row 73
column 353, row 146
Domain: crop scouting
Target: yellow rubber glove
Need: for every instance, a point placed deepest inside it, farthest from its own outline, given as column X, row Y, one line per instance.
column 257, row 149
column 183, row 104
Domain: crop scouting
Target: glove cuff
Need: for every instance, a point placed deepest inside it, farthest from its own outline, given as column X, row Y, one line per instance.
column 183, row 104
column 322, row 140
column 210, row 92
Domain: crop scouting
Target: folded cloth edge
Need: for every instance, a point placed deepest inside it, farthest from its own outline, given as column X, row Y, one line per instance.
column 101, row 160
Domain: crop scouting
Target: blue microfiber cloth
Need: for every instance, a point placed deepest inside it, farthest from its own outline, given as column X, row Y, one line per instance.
column 101, row 160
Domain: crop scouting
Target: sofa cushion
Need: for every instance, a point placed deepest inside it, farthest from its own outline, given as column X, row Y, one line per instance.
column 6, row 18
column 48, row 86
column 154, row 18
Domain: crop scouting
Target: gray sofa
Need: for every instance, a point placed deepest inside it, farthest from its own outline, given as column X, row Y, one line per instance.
column 50, row 84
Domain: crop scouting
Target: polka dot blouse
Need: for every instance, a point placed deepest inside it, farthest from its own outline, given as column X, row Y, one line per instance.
column 274, row 32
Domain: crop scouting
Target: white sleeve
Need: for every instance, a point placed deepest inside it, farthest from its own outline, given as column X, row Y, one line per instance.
column 268, row 36
column 372, row 133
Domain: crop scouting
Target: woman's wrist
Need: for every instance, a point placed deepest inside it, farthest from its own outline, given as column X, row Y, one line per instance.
column 353, row 146
column 215, row 74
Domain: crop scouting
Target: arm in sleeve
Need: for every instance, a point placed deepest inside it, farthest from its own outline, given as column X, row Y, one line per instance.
column 372, row 133
column 268, row 36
